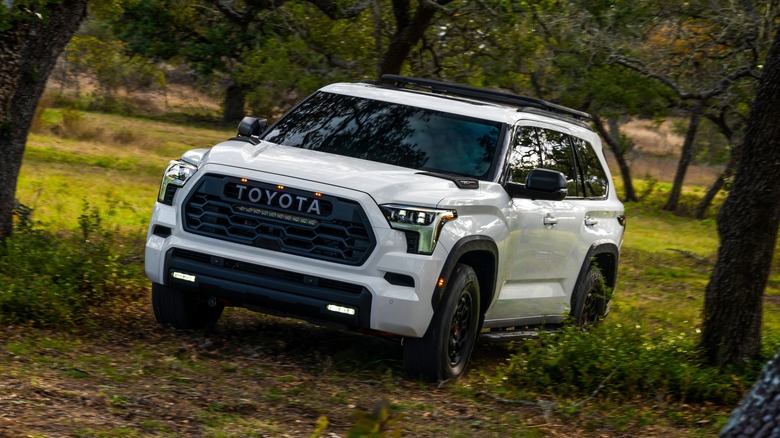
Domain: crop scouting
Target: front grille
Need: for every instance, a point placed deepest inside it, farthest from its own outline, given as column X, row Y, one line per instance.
column 279, row 218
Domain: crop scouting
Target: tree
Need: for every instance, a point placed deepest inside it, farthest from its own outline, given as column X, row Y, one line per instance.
column 758, row 416
column 707, row 53
column 747, row 228
column 410, row 28
column 571, row 64
column 619, row 144
column 213, row 36
column 32, row 36
column 732, row 130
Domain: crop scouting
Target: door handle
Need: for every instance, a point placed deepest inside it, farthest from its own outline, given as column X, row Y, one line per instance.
column 550, row 220
column 589, row 221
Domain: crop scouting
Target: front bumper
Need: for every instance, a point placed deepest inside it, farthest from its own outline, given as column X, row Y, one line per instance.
column 389, row 292
column 269, row 290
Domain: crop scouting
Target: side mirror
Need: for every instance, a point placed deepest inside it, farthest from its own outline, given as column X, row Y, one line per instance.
column 545, row 184
column 251, row 127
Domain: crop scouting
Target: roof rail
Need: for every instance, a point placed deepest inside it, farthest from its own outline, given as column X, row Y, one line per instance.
column 486, row 95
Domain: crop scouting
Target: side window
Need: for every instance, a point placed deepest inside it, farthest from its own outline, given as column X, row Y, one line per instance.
column 526, row 154
column 543, row 148
column 593, row 174
column 558, row 156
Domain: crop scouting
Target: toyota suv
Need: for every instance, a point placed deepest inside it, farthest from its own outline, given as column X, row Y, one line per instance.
column 421, row 210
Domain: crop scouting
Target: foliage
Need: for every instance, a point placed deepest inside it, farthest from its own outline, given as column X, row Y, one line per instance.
column 283, row 73
column 377, row 423
column 51, row 279
column 12, row 13
column 619, row 362
column 105, row 60
column 111, row 67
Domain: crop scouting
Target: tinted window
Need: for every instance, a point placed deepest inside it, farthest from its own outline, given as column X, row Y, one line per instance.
column 593, row 174
column 390, row 133
column 543, row 148
column 526, row 154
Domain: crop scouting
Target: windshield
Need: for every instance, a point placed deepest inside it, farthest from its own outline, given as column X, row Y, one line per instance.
column 390, row 133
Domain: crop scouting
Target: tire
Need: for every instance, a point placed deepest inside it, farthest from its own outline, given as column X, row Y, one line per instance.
column 444, row 352
column 183, row 310
column 590, row 299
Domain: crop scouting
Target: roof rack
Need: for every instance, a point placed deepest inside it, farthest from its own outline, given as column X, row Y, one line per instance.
column 486, row 95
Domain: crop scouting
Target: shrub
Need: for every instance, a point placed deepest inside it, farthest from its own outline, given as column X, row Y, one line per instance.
column 619, row 362
column 51, row 279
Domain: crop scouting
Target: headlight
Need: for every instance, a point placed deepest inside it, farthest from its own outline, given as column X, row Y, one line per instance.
column 421, row 225
column 176, row 175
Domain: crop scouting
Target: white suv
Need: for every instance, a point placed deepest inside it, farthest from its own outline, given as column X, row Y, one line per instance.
column 422, row 210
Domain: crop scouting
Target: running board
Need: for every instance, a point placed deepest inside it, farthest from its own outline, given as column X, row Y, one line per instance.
column 510, row 335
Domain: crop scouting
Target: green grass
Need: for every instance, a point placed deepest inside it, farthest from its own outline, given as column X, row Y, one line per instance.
column 666, row 263
column 114, row 163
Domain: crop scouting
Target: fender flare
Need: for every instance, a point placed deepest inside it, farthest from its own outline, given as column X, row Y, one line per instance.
column 462, row 247
column 610, row 272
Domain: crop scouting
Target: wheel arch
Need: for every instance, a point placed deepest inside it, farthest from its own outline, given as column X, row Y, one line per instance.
column 605, row 256
column 479, row 252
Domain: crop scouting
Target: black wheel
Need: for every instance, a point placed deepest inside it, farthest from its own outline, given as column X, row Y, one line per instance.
column 444, row 351
column 589, row 302
column 183, row 310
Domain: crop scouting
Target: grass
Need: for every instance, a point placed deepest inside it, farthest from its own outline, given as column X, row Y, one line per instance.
column 88, row 164
column 117, row 373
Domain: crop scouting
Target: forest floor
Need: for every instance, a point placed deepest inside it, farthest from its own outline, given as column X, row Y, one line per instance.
column 263, row 376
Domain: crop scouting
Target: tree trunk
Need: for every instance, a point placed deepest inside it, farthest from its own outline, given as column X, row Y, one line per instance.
column 616, row 146
column 758, row 416
column 233, row 105
column 747, row 227
column 409, row 30
column 713, row 190
column 28, row 52
column 685, row 158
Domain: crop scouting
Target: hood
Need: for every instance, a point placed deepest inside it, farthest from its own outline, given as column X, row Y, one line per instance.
column 384, row 182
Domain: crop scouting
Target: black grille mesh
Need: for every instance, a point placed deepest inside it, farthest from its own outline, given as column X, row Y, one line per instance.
column 340, row 235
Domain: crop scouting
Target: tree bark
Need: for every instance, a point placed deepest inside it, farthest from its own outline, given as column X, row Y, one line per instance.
column 747, row 227
column 758, row 416
column 233, row 105
column 712, row 191
column 685, row 157
column 409, row 31
column 715, row 187
column 730, row 133
column 618, row 150
column 28, row 52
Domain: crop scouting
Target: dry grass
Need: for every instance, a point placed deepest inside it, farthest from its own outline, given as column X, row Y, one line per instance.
column 656, row 154
column 653, row 138
column 174, row 98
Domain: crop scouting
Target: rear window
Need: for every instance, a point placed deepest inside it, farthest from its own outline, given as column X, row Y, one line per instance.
column 390, row 133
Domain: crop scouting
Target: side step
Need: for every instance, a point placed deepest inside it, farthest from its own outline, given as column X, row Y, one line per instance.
column 510, row 335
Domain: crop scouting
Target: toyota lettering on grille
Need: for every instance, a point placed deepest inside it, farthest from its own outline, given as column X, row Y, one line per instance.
column 278, row 199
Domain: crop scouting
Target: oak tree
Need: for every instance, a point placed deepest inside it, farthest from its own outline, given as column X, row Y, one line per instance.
column 32, row 36
column 747, row 228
